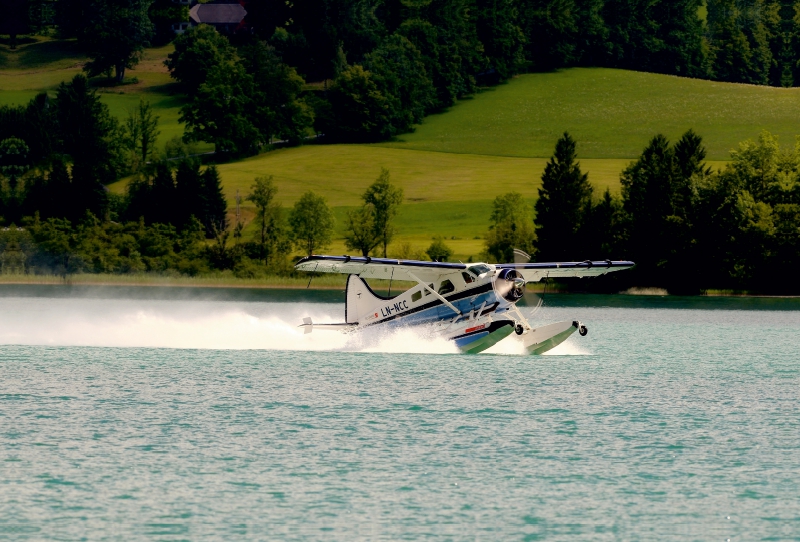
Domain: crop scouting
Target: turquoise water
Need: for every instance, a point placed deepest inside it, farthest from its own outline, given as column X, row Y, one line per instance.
column 673, row 419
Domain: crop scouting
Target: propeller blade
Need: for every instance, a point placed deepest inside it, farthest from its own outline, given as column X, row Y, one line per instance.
column 531, row 299
column 520, row 256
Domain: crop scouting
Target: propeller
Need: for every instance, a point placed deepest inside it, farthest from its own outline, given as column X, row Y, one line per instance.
column 531, row 299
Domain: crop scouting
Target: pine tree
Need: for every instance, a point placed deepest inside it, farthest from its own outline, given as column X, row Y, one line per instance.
column 189, row 193
column 563, row 199
column 215, row 213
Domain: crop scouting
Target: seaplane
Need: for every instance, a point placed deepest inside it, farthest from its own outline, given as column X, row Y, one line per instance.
column 474, row 305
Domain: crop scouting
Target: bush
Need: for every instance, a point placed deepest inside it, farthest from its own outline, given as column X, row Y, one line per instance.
column 438, row 251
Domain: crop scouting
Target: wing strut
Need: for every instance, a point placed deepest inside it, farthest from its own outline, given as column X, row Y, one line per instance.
column 431, row 290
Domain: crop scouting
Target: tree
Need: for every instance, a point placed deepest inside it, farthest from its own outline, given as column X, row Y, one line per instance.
column 164, row 14
column 659, row 194
column 245, row 102
column 35, row 124
column 739, row 38
column 502, row 39
column 664, row 36
column 399, row 73
column 511, row 226
column 439, row 251
column 87, row 132
column 141, row 131
column 563, row 199
column 360, row 112
column 49, row 194
column 312, row 223
column 605, row 229
column 162, row 195
column 15, row 20
column 189, row 193
column 384, row 198
column 270, row 236
column 440, row 59
column 222, row 112
column 551, row 28
column 284, row 114
column 13, row 160
column 197, row 52
column 361, row 230
column 214, row 216
column 117, row 33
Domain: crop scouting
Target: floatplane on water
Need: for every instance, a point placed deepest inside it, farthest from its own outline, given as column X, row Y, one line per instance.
column 474, row 305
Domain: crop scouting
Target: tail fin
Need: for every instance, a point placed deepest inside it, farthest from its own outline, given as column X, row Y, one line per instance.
column 360, row 300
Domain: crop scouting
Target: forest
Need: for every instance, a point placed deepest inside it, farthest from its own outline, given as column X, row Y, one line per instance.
column 343, row 71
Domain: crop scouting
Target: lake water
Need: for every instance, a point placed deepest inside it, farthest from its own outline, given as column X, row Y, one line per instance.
column 184, row 415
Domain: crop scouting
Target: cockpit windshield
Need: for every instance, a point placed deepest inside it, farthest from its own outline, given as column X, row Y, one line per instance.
column 479, row 269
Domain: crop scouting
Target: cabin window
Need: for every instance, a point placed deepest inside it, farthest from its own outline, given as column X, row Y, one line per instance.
column 479, row 269
column 416, row 296
column 467, row 277
column 446, row 287
column 428, row 292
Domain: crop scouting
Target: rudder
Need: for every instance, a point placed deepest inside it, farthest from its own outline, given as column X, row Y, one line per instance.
column 359, row 300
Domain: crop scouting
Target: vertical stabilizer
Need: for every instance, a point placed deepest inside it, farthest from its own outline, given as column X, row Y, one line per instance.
column 360, row 301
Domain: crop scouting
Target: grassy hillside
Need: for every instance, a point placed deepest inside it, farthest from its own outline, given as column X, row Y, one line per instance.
column 611, row 113
column 446, row 194
column 454, row 165
column 41, row 66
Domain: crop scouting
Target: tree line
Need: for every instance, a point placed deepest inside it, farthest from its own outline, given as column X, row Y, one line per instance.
column 687, row 227
column 385, row 64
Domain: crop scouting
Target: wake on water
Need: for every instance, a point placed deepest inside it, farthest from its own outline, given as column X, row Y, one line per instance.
column 209, row 325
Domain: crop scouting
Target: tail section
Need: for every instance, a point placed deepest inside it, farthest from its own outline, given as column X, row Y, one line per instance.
column 361, row 301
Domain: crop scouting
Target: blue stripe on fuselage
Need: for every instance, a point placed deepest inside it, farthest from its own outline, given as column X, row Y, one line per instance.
column 443, row 312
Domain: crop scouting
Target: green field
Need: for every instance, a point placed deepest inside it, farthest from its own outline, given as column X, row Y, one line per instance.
column 455, row 163
column 611, row 114
column 446, row 194
column 43, row 65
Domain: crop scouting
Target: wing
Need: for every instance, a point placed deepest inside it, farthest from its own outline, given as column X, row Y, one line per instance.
column 377, row 268
column 534, row 272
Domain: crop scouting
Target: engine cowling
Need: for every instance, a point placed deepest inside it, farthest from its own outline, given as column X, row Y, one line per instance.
column 510, row 285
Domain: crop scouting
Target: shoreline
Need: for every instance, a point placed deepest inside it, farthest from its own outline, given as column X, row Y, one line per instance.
column 324, row 283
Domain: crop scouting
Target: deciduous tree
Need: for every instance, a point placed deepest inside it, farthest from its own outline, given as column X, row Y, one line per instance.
column 271, row 236
column 312, row 223
column 116, row 34
column 141, row 131
column 511, row 226
column 197, row 52
column 384, row 198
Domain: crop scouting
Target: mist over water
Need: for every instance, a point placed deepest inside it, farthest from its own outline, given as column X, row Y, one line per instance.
column 207, row 419
column 203, row 324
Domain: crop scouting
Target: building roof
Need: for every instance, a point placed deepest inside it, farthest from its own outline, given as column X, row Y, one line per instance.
column 217, row 13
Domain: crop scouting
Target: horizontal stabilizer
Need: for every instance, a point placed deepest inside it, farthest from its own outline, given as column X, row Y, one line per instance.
column 308, row 326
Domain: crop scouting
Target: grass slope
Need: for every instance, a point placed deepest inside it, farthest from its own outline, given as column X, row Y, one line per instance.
column 447, row 195
column 611, row 113
column 457, row 162
column 41, row 66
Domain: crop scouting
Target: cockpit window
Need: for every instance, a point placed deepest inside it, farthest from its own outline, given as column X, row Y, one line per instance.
column 446, row 287
column 467, row 277
column 479, row 269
